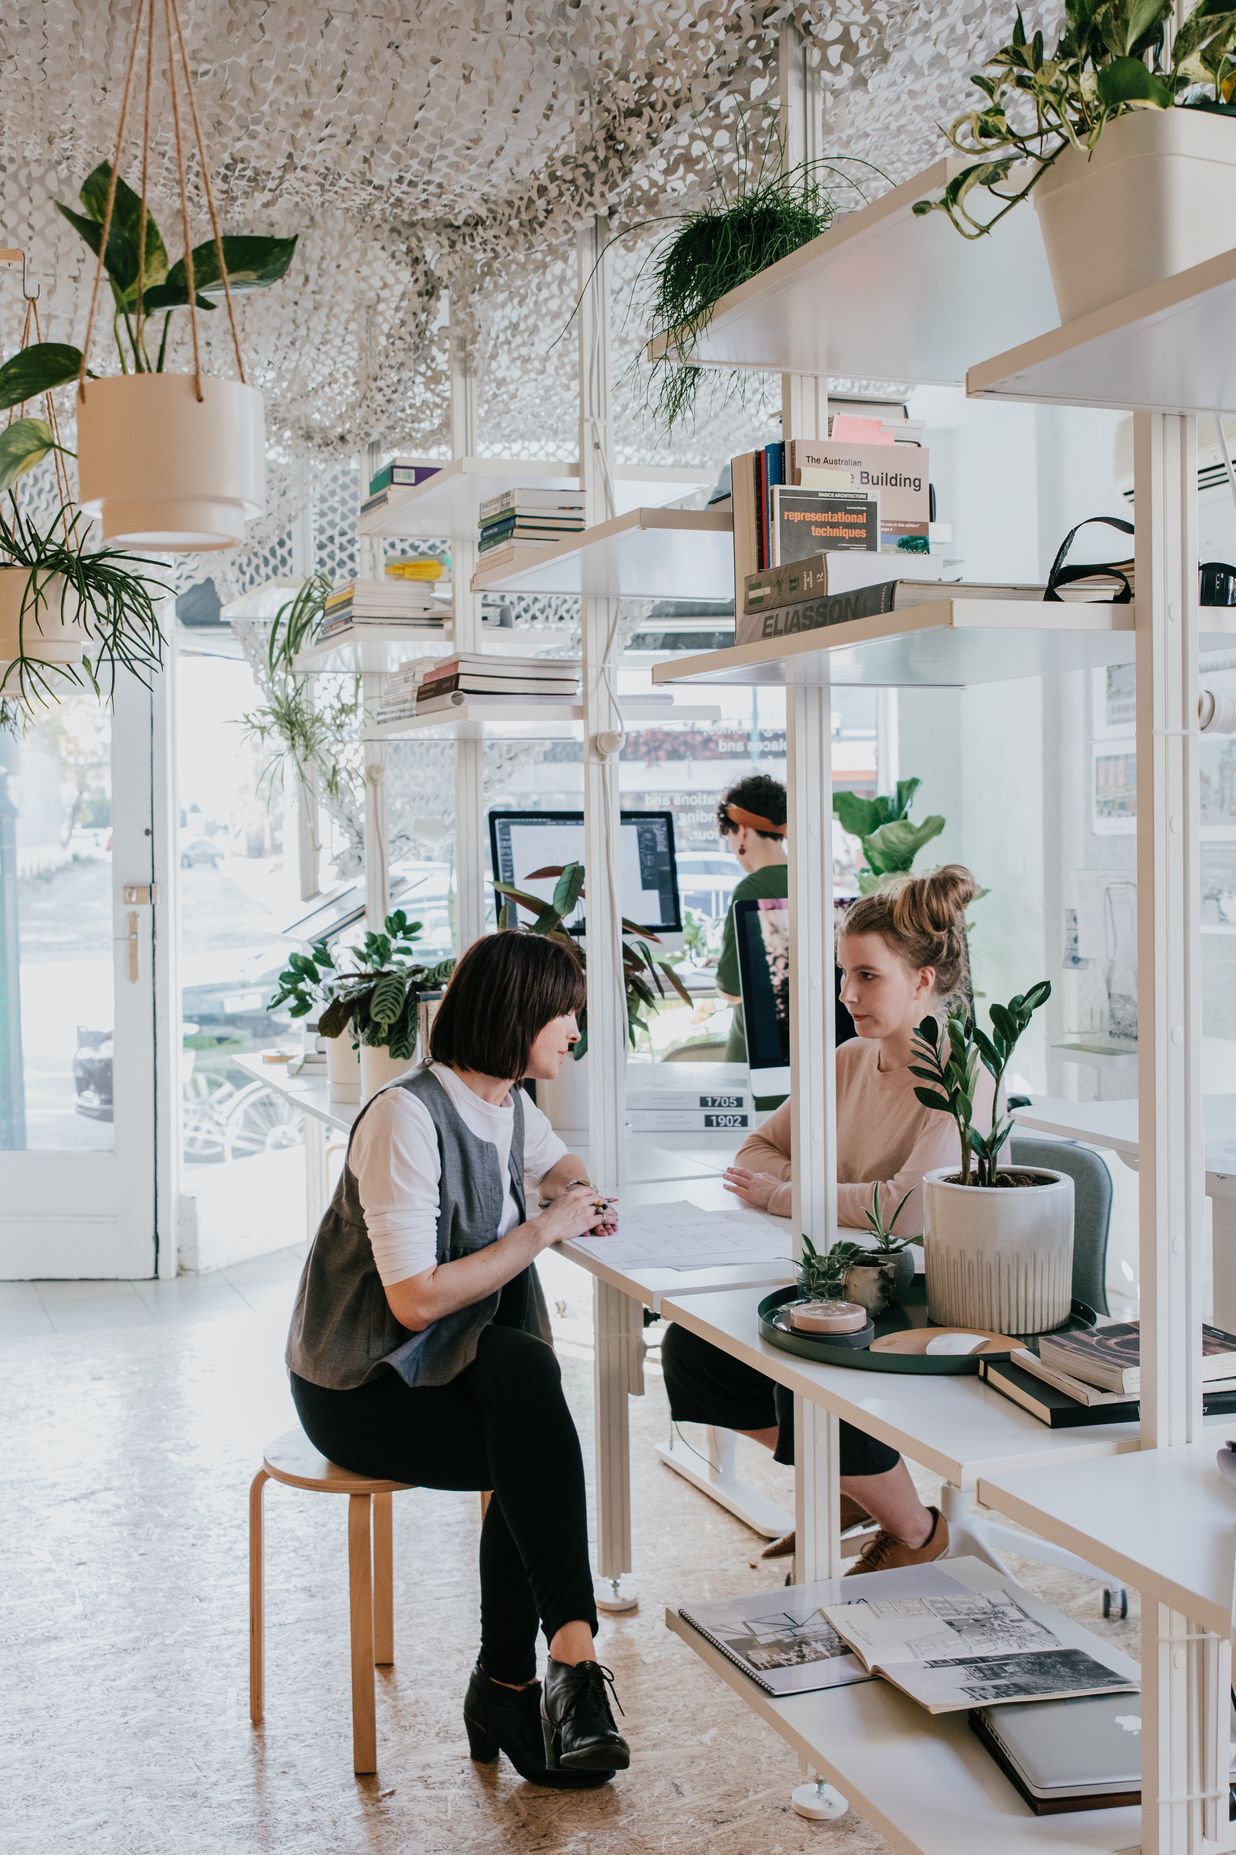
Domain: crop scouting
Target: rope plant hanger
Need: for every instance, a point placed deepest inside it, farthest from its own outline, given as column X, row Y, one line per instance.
column 68, row 614
column 170, row 461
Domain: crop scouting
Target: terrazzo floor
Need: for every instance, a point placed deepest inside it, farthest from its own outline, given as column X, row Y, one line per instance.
column 124, row 1729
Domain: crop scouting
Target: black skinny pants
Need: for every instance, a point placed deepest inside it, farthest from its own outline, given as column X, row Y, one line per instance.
column 705, row 1385
column 502, row 1424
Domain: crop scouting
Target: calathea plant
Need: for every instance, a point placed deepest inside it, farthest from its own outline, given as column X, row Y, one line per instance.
column 1112, row 57
column 644, row 974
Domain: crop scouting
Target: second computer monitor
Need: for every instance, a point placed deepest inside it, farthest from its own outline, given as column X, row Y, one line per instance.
column 647, row 871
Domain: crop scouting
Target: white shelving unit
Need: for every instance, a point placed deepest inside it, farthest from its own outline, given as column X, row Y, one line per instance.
column 885, row 296
column 371, row 650
column 646, row 554
column 1161, row 1520
column 445, row 507
column 923, row 1782
column 505, row 720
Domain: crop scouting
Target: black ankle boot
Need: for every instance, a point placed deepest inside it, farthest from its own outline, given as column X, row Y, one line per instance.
column 508, row 1720
column 579, row 1729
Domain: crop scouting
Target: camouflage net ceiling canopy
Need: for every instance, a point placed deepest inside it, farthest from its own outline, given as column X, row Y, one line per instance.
column 421, row 149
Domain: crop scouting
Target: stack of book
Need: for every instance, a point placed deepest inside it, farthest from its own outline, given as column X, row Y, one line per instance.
column 1095, row 1377
column 686, row 1110
column 521, row 522
column 831, row 494
column 492, row 682
column 399, row 473
column 837, row 588
column 406, row 603
column 398, row 699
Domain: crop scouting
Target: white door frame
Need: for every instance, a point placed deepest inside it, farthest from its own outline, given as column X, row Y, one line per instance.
column 66, row 1214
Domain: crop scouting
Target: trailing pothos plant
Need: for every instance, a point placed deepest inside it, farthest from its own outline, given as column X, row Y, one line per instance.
column 1112, row 57
column 645, row 976
column 304, row 728
column 948, row 1063
column 145, row 284
column 882, row 826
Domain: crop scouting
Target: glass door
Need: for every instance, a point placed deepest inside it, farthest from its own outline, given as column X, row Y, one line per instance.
column 77, row 1000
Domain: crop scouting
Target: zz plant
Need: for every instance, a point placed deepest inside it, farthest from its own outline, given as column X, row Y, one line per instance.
column 948, row 1064
column 644, row 974
column 1112, row 56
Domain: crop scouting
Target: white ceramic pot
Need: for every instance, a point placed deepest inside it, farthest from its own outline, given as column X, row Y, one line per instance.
column 378, row 1067
column 48, row 632
column 343, row 1068
column 165, row 471
column 565, row 1099
column 1157, row 195
column 999, row 1257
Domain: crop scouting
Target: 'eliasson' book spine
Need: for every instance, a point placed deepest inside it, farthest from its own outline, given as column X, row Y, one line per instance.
column 816, row 614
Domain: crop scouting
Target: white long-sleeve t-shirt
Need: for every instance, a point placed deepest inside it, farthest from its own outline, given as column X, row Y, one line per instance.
column 394, row 1160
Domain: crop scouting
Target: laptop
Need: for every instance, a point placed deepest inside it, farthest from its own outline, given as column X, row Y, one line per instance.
column 1069, row 1754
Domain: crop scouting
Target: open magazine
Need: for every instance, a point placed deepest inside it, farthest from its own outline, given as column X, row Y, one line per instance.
column 984, row 1643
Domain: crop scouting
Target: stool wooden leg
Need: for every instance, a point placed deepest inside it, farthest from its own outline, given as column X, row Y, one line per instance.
column 257, row 1612
column 360, row 1594
column 486, row 1498
column 383, row 1582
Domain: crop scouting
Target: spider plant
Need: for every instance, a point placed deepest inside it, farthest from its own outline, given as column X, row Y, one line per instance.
column 644, row 975
column 111, row 590
column 302, row 727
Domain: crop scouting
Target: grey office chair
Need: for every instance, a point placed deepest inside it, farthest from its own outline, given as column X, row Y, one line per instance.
column 1092, row 1207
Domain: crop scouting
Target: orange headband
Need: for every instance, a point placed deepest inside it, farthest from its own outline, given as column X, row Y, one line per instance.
column 754, row 822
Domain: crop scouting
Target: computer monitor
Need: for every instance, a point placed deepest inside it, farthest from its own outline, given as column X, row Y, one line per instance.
column 762, row 937
column 521, row 842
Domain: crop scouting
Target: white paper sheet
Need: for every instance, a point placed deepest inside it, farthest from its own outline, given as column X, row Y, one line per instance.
column 679, row 1234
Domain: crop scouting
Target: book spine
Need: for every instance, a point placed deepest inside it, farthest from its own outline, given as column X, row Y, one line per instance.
column 817, row 614
column 774, row 475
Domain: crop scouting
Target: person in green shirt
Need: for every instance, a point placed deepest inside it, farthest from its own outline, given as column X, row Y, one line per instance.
column 752, row 821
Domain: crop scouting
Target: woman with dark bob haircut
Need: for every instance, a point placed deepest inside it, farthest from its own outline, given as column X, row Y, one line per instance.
column 420, row 1347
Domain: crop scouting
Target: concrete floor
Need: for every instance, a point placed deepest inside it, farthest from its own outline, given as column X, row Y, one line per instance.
column 135, row 1416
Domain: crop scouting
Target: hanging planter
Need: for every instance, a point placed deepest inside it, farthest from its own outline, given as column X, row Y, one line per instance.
column 170, row 461
column 39, row 620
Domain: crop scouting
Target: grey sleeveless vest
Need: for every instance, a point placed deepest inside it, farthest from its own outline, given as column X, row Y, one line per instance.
column 342, row 1328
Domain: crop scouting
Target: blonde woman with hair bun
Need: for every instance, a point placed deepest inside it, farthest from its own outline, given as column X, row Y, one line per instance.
column 902, row 954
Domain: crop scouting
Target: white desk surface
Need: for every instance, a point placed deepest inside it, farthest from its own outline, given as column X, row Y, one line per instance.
column 651, row 1286
column 923, row 1781
column 955, row 1425
column 1113, row 1124
column 1160, row 1520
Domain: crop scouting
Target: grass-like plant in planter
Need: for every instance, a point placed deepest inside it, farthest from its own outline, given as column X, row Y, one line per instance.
column 304, row 729
column 1114, row 58
column 882, row 826
column 644, row 975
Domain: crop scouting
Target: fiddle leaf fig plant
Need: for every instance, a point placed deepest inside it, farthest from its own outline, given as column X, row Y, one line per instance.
column 890, row 842
column 1112, row 56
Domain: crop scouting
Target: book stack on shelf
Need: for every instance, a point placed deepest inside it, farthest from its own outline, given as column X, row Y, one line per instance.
column 494, row 682
column 861, row 489
column 838, row 588
column 398, row 699
column 1080, row 1378
column 407, row 604
column 521, row 522
column 399, row 473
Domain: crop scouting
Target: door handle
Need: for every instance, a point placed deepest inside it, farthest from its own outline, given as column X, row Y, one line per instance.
column 133, row 946
column 143, row 894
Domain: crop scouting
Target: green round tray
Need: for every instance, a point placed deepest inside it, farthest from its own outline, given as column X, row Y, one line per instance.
column 910, row 1312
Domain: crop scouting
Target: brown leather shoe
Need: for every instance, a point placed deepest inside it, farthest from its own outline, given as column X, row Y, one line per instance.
column 885, row 1553
column 853, row 1514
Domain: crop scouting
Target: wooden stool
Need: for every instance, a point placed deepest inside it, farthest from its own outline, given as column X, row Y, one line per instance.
column 291, row 1458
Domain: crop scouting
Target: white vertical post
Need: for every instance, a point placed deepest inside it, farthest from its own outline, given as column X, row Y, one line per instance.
column 809, row 780
column 1171, row 1176
column 466, row 608
column 308, row 818
column 617, row 1319
column 377, row 872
